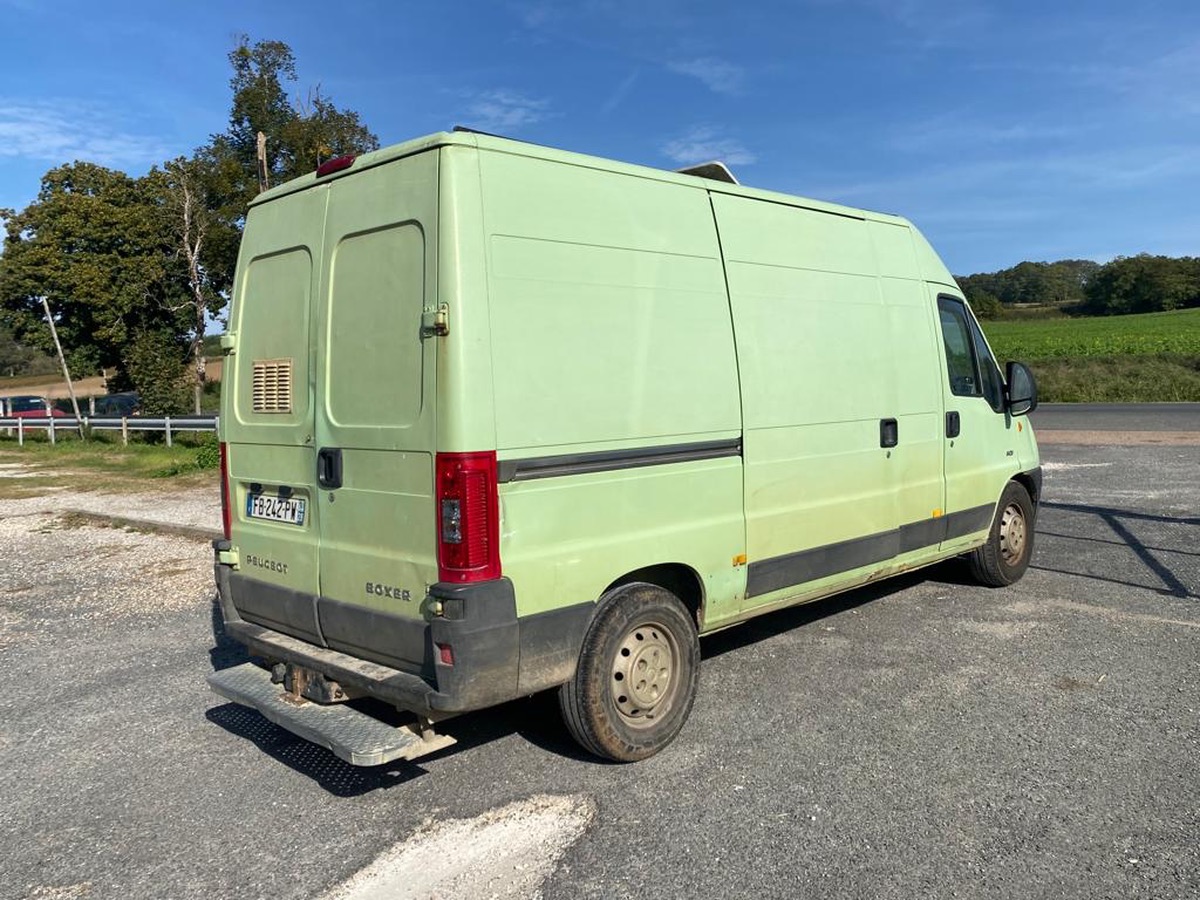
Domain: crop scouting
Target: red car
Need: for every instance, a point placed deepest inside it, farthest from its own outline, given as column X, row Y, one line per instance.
column 29, row 407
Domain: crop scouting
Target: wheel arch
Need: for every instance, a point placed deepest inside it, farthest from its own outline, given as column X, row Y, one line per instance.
column 681, row 580
column 1027, row 481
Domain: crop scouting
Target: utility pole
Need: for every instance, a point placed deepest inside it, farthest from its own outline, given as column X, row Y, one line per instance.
column 62, row 359
column 261, row 146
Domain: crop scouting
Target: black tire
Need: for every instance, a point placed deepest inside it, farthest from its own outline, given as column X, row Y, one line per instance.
column 1005, row 556
column 637, row 629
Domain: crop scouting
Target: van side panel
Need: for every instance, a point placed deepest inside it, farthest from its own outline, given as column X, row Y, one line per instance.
column 610, row 333
column 826, row 347
column 816, row 363
column 917, row 377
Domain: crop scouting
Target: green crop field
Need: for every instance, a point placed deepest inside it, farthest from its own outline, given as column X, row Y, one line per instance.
column 1143, row 335
column 1140, row 358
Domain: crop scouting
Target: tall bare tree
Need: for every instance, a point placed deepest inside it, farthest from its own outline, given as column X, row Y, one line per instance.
column 186, row 185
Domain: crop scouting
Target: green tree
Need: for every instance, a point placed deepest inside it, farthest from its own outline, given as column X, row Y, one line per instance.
column 299, row 135
column 985, row 305
column 97, row 244
column 1144, row 283
column 319, row 132
column 132, row 267
column 17, row 359
column 156, row 364
column 1056, row 283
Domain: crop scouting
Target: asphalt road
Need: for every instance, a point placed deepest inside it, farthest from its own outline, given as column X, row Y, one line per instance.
column 1117, row 417
column 924, row 738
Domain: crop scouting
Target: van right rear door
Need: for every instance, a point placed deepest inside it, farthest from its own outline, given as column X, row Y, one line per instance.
column 375, row 386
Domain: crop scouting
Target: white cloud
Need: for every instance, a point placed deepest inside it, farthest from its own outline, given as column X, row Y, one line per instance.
column 718, row 76
column 506, row 111
column 704, row 144
column 957, row 133
column 64, row 131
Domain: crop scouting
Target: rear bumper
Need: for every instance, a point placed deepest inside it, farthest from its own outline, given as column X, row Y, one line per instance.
column 497, row 655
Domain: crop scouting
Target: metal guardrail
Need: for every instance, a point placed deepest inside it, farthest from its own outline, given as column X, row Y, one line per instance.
column 52, row 425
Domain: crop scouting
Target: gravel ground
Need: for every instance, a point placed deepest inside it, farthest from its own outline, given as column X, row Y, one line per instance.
column 106, row 572
column 198, row 508
column 925, row 737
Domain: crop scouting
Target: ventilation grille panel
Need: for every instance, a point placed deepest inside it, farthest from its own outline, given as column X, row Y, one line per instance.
column 272, row 385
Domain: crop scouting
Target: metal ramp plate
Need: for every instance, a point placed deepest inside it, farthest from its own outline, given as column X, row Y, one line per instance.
column 356, row 737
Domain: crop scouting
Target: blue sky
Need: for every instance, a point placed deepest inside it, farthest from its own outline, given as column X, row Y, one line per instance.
column 1005, row 130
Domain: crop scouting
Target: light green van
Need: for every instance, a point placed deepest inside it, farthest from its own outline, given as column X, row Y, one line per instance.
column 499, row 419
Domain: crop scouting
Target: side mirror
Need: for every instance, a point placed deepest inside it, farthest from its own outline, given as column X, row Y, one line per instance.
column 1022, row 397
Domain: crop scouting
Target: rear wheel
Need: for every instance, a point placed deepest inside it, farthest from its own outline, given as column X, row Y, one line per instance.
column 637, row 674
column 1005, row 556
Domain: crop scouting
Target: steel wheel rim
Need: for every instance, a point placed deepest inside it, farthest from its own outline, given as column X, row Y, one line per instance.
column 644, row 676
column 1012, row 534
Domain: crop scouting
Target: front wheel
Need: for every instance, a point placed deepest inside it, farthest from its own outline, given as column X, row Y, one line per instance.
column 637, row 674
column 1005, row 556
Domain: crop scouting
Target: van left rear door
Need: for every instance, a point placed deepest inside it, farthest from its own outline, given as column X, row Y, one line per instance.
column 268, row 414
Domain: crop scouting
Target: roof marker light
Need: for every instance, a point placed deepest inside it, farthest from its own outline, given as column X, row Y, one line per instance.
column 334, row 165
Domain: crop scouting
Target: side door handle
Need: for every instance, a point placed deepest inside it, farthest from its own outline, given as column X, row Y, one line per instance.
column 329, row 467
column 953, row 425
column 889, row 433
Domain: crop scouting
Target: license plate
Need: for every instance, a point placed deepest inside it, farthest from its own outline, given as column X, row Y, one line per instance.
column 276, row 509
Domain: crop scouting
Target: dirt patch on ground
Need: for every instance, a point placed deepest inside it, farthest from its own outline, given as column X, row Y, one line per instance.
column 506, row 852
column 1120, row 438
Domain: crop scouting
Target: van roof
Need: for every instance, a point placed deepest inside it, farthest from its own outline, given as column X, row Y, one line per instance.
column 522, row 148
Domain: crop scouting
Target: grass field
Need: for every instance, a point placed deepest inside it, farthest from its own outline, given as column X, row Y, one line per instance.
column 1141, row 358
column 101, row 464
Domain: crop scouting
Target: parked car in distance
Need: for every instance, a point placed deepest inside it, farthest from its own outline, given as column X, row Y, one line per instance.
column 117, row 405
column 29, row 407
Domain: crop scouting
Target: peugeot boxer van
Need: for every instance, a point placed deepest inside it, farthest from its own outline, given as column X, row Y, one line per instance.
column 499, row 419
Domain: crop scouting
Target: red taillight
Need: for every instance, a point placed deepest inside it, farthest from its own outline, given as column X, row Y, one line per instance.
column 468, row 517
column 226, row 508
column 334, row 165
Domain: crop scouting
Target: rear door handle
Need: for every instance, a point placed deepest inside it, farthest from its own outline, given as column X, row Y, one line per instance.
column 953, row 425
column 329, row 468
column 889, row 433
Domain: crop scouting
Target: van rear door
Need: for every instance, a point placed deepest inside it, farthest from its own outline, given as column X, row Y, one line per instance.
column 268, row 413
column 375, row 381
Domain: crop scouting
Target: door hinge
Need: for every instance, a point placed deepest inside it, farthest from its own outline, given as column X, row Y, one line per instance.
column 228, row 344
column 436, row 322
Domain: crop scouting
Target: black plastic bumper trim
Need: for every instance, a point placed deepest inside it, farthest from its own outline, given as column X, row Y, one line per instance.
column 765, row 576
column 497, row 656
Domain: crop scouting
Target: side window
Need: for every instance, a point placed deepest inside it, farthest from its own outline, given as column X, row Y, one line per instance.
column 993, row 384
column 960, row 350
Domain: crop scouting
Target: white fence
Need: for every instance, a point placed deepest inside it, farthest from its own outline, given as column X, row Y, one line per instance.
column 51, row 425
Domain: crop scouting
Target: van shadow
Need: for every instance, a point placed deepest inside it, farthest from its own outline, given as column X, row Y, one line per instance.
column 762, row 627
column 1122, row 524
column 535, row 719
